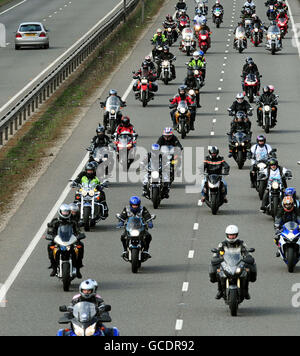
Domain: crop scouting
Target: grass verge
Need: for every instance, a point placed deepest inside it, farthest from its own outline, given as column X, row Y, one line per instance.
column 18, row 162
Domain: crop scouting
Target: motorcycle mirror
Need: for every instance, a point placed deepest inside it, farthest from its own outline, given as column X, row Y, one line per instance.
column 274, row 150
column 81, row 236
column 153, row 217
column 118, row 216
column 63, row 309
column 105, row 308
column 105, row 184
column 214, row 250
column 251, row 250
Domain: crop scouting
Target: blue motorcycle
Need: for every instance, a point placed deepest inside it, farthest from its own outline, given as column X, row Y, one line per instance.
column 289, row 244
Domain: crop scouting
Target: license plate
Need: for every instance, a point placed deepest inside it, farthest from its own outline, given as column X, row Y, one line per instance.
column 30, row 34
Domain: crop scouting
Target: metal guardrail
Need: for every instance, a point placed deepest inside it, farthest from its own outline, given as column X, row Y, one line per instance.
column 23, row 105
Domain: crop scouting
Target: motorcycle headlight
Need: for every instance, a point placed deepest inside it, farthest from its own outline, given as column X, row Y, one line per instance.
column 144, row 81
column 78, row 330
column 238, row 270
column 273, row 37
column 261, row 166
column 275, row 185
column 182, row 110
column 256, row 29
column 91, row 193
column 90, row 331
column 267, row 108
column 243, row 143
column 134, row 233
column 196, row 72
column 113, row 112
column 84, row 193
column 236, row 144
column 212, row 185
column 169, row 29
column 155, row 175
column 203, row 37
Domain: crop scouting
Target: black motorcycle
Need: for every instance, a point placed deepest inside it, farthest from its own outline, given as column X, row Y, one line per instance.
column 240, row 143
column 214, row 191
column 234, row 276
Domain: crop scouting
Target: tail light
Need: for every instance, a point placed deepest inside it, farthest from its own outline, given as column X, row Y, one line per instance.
column 42, row 34
column 18, row 35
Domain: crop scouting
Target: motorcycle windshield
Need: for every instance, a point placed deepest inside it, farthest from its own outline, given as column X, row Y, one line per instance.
column 232, row 256
column 291, row 226
column 187, row 34
column 84, row 312
column 88, row 186
column 182, row 107
column 239, row 136
column 217, row 11
column 274, row 30
column 99, row 153
column 113, row 103
column 251, row 78
column 240, row 32
column 65, row 232
column 214, row 178
column 203, row 32
column 125, row 139
column 134, row 224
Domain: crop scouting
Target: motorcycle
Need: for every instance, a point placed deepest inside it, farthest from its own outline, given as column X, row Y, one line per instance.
column 166, row 73
column 204, row 40
column 202, row 6
column 113, row 108
column 188, row 42
column 65, row 252
column 214, row 191
column 125, row 148
column 234, row 274
column 267, row 111
column 272, row 13
column 240, row 40
column 217, row 16
column 256, row 35
column 183, row 23
column 251, row 85
column 282, row 23
column 275, row 192
column 183, row 118
column 84, row 319
column 88, row 198
column 135, row 231
column 240, row 144
column 248, row 26
column 273, row 39
column 144, row 94
column 169, row 33
column 289, row 244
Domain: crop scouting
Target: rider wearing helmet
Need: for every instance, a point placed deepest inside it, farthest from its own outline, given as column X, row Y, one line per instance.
column 240, row 104
column 159, row 39
column 64, row 218
column 181, row 5
column 267, row 98
column 215, row 164
column 126, row 127
column 182, row 96
column 153, row 161
column 198, row 61
column 88, row 175
column 259, row 152
column 170, row 23
column 166, row 55
column 274, row 171
column 112, row 92
column 250, row 68
column 100, row 140
column 135, row 209
column 232, row 241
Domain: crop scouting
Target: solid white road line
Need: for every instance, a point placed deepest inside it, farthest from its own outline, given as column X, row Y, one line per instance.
column 20, row 3
column 295, row 39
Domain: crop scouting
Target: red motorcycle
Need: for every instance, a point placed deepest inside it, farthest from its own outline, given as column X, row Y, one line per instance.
column 256, row 35
column 204, row 40
column 251, row 85
column 282, row 23
column 125, row 147
column 184, row 22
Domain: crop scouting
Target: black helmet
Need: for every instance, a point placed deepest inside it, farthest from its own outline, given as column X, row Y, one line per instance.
column 213, row 151
column 90, row 170
column 100, row 129
column 166, row 49
column 273, row 162
column 182, row 90
column 249, row 59
column 125, row 121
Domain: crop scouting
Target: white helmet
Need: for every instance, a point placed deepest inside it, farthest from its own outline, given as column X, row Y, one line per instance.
column 88, row 288
column 232, row 230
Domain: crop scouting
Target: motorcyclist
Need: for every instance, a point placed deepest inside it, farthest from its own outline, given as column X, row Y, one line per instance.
column 217, row 5
column 169, row 139
column 170, row 23
column 112, row 92
column 145, row 72
column 181, row 5
column 126, row 127
column 274, row 170
column 204, row 27
column 159, row 39
column 260, row 151
column 153, row 161
column 215, row 164
column 182, row 96
column 240, row 104
column 192, row 83
column 282, row 15
column 267, row 98
column 199, row 18
column 291, row 192
column 182, row 18
column 287, row 212
column 198, row 61
column 64, row 218
column 239, row 123
column 250, row 68
column 101, row 139
column 232, row 241
column 166, row 55
column 281, row 5
column 136, row 209
column 271, row 2
column 88, row 175
column 150, row 64
column 250, row 4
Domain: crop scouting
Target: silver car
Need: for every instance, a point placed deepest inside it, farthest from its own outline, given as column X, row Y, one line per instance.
column 32, row 34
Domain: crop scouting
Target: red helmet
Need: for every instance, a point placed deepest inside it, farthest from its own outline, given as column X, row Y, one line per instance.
column 125, row 121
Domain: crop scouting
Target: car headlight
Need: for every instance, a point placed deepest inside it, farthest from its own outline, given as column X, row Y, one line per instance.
column 155, row 175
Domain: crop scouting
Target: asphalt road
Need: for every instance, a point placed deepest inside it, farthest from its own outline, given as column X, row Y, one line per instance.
column 172, row 294
column 67, row 21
